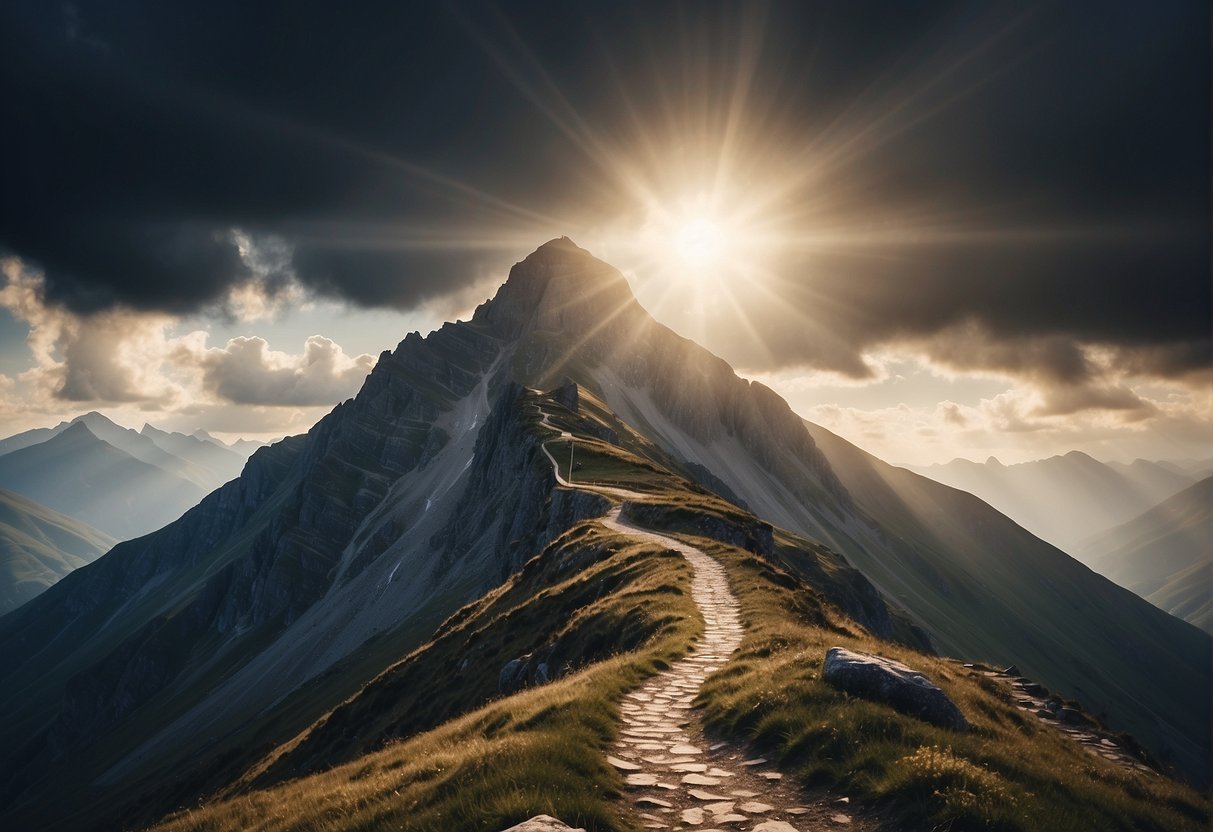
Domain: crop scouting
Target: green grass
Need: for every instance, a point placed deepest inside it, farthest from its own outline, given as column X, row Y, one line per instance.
column 1010, row 772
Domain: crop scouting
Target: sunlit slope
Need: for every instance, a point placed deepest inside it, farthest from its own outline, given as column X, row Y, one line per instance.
column 375, row 763
column 1097, row 495
column 1010, row 772
column 38, row 546
column 988, row 589
column 1164, row 555
column 979, row 583
column 82, row 476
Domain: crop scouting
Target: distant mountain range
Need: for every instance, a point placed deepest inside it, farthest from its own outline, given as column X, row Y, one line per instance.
column 162, row 671
column 121, row 482
column 1165, row 555
column 1067, row 499
column 77, row 473
column 39, row 546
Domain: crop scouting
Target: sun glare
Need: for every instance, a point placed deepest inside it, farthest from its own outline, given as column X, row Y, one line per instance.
column 700, row 242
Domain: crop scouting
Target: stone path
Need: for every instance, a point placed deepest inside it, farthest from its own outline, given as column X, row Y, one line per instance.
column 1032, row 698
column 677, row 779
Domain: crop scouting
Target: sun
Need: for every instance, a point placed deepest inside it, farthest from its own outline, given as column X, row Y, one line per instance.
column 700, row 241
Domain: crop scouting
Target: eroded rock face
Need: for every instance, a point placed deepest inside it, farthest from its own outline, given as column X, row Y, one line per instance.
column 884, row 680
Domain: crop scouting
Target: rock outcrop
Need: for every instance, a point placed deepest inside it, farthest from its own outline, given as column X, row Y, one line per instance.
column 884, row 680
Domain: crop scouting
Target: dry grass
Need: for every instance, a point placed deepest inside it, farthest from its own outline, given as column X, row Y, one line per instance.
column 1009, row 772
column 542, row 751
column 539, row 751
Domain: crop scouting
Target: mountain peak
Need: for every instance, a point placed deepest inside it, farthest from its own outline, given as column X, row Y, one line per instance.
column 94, row 418
column 558, row 287
column 561, row 243
column 77, row 431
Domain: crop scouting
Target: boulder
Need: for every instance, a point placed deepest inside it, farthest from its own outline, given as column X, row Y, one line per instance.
column 543, row 823
column 523, row 672
column 1071, row 715
column 512, row 675
column 885, row 680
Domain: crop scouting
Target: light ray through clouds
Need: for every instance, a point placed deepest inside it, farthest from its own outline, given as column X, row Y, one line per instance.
column 700, row 128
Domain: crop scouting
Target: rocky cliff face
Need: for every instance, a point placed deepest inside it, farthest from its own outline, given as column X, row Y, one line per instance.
column 422, row 492
column 267, row 542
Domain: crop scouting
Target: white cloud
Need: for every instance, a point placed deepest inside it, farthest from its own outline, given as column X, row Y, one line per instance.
column 247, row 371
column 137, row 364
column 110, row 356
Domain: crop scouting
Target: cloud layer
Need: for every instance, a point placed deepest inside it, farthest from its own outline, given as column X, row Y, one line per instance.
column 124, row 357
column 247, row 371
column 1000, row 192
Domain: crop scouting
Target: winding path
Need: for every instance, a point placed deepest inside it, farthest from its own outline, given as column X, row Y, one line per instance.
column 674, row 779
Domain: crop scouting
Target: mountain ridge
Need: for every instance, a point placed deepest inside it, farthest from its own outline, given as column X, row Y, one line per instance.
column 81, row 475
column 1165, row 554
column 1098, row 495
column 428, row 488
column 38, row 546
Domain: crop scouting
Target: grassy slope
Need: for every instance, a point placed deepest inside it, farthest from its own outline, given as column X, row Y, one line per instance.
column 1188, row 594
column 1010, row 772
column 1049, row 614
column 590, row 595
column 542, row 750
column 38, row 546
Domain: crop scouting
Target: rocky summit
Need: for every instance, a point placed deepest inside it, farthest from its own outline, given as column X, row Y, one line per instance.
column 298, row 618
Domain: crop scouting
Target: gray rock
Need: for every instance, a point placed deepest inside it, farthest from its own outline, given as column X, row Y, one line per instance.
column 523, row 672
column 1031, row 688
column 512, row 675
column 543, row 823
column 885, row 680
column 567, row 395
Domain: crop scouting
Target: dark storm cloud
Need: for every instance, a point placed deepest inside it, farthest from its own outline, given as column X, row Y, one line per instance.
column 127, row 167
column 139, row 134
column 374, row 277
column 1020, row 308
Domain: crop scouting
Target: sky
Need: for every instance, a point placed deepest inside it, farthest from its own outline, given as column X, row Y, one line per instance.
column 938, row 229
